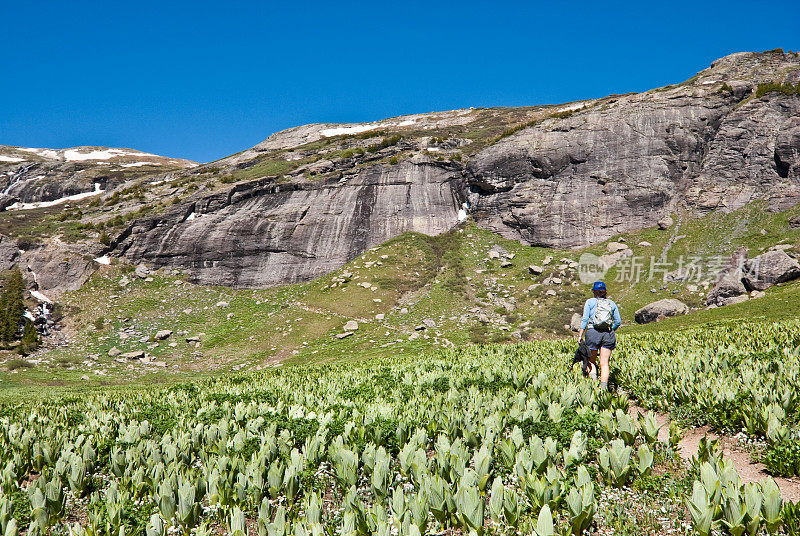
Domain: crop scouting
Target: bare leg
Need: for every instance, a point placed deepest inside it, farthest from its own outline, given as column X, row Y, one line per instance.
column 605, row 355
column 592, row 369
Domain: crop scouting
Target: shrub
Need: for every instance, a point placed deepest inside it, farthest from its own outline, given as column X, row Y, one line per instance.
column 783, row 459
column 104, row 238
column 774, row 87
column 12, row 306
column 15, row 364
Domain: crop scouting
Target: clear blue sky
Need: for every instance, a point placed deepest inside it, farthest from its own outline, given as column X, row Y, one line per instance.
column 202, row 80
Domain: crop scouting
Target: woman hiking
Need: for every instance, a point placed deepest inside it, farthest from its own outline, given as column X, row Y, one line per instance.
column 600, row 321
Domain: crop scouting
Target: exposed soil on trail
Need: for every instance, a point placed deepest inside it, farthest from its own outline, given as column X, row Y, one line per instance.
column 748, row 470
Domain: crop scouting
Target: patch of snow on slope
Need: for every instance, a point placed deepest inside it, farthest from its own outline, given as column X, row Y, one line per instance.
column 4, row 158
column 346, row 131
column 47, row 153
column 137, row 164
column 42, row 204
column 103, row 154
column 105, row 259
column 41, row 297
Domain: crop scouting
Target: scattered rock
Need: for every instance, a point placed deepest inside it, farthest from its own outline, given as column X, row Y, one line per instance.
column 547, row 260
column 794, row 223
column 420, row 327
column 163, row 334
column 493, row 254
column 229, row 316
column 769, row 269
column 404, row 311
column 556, row 280
column 380, row 316
column 343, row 335
column 535, row 270
column 84, row 377
column 659, row 310
column 413, row 336
column 124, row 281
column 223, row 304
column 114, row 352
column 430, row 323
column 665, row 223
column 192, row 339
column 575, row 322
column 551, row 292
column 506, row 264
column 613, row 247
column 735, row 299
column 758, row 294
column 644, row 244
column 351, row 325
column 138, row 354
column 141, row 271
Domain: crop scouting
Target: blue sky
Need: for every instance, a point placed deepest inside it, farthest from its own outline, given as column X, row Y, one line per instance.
column 202, row 80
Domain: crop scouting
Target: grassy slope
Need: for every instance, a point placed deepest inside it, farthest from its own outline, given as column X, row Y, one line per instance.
column 446, row 279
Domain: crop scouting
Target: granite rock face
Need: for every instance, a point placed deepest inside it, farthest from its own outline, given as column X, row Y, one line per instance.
column 626, row 163
column 263, row 233
column 769, row 269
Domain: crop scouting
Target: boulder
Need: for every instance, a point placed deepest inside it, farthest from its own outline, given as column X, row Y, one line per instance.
column 758, row 294
column 575, row 322
column 613, row 247
column 665, row 223
column 138, row 354
column 769, row 269
column 734, row 300
column 729, row 282
column 659, row 310
column 114, row 352
column 535, row 270
column 493, row 254
column 547, row 260
column 644, row 244
column 142, row 271
column 794, row 223
column 506, row 264
column 429, row 322
column 344, row 335
column 380, row 316
column 351, row 325
column 163, row 334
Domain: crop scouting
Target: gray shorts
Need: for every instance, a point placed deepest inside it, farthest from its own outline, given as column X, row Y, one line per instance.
column 600, row 339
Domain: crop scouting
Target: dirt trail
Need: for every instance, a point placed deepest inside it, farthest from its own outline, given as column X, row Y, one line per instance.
column 748, row 470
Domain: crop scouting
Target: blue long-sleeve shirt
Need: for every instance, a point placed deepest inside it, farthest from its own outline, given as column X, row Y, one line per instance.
column 588, row 313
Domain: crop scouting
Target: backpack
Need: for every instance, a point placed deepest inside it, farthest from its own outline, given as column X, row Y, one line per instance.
column 604, row 314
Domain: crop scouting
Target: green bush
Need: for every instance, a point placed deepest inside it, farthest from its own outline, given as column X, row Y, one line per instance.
column 12, row 306
column 774, row 87
column 783, row 459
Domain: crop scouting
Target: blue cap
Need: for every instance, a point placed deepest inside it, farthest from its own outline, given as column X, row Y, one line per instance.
column 599, row 285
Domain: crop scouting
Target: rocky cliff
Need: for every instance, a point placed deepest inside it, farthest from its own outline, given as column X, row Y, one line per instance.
column 32, row 177
column 307, row 200
column 265, row 233
column 714, row 142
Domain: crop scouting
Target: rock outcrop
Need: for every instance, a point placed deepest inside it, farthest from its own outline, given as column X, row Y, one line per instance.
column 265, row 232
column 625, row 163
column 29, row 176
column 659, row 310
column 769, row 269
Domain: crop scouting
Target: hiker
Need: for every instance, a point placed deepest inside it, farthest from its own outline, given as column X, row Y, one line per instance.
column 600, row 320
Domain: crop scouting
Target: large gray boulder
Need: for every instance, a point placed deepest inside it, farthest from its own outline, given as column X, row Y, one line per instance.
column 730, row 280
column 659, row 310
column 769, row 269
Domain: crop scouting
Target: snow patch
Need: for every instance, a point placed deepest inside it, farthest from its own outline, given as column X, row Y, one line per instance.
column 28, row 315
column 43, row 204
column 463, row 212
column 576, row 106
column 105, row 259
column 4, row 158
column 190, row 217
column 47, row 153
column 41, row 297
column 346, row 131
column 137, row 164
